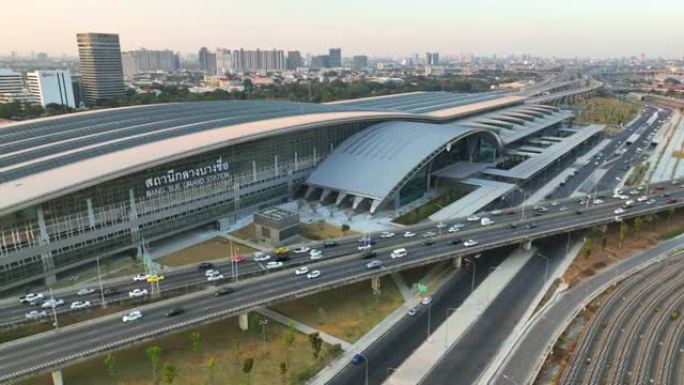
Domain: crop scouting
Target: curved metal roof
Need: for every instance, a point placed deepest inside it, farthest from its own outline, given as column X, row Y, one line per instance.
column 375, row 162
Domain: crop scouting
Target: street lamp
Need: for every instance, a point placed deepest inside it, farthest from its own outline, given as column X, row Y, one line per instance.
column 54, row 310
column 263, row 324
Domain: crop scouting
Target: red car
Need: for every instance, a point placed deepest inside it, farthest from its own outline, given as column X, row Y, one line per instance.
column 672, row 200
column 238, row 259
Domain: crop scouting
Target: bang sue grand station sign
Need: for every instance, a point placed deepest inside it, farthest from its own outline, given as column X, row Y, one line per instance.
column 173, row 180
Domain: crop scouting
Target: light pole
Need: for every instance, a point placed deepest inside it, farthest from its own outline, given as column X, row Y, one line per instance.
column 99, row 279
column 510, row 380
column 54, row 310
column 429, row 319
column 546, row 269
column 263, row 324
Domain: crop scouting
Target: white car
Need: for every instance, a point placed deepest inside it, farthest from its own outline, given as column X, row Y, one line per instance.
column 643, row 198
column 429, row 234
column 313, row 274
column 85, row 291
column 301, row 270
column 469, row 243
column 441, row 225
column 132, row 316
column 31, row 298
column 619, row 211
column 211, row 272
column 135, row 293
column 80, row 305
column 261, row 258
column 426, row 301
column 650, row 201
column 315, row 254
column 598, row 201
column 386, row 234
column 274, row 265
column 486, row 221
column 215, row 277
column 35, row 314
column 454, row 228
column 409, row 234
column 141, row 277
column 52, row 303
column 364, row 247
column 473, row 218
column 301, row 250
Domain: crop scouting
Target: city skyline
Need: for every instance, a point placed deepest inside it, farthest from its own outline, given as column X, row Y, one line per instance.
column 614, row 28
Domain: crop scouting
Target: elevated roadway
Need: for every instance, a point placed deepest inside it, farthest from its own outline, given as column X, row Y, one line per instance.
column 50, row 350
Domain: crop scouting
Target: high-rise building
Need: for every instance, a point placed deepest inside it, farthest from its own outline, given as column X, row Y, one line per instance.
column 294, row 60
column 100, row 67
column 335, row 57
column 51, row 87
column 224, row 61
column 360, row 61
column 10, row 82
column 258, row 60
column 320, row 61
column 144, row 60
column 432, row 58
column 207, row 61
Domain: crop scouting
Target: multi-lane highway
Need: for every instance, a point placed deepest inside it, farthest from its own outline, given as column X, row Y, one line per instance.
column 55, row 349
column 643, row 343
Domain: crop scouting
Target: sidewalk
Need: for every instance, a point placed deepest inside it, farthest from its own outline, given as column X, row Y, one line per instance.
column 414, row 368
column 306, row 329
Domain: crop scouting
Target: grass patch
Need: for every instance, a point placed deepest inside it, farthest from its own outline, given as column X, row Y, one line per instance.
column 420, row 213
column 672, row 233
column 214, row 248
column 606, row 110
column 637, row 175
column 222, row 341
column 320, row 230
column 348, row 312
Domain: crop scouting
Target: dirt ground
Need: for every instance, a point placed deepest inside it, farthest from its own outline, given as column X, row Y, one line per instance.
column 223, row 341
column 348, row 312
column 214, row 248
column 650, row 234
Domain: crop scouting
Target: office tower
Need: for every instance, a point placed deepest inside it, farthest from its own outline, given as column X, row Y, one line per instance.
column 10, row 82
column 42, row 56
column 207, row 61
column 144, row 60
column 100, row 67
column 432, row 58
column 360, row 61
column 51, row 87
column 294, row 60
column 335, row 57
column 224, row 61
column 258, row 60
column 320, row 61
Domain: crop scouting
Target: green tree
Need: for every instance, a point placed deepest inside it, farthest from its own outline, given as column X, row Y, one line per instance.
column 283, row 371
column 586, row 248
column 154, row 354
column 637, row 227
column 110, row 364
column 247, row 367
column 623, row 233
column 345, row 227
column 289, row 339
column 211, row 369
column 196, row 341
column 168, row 373
column 316, row 343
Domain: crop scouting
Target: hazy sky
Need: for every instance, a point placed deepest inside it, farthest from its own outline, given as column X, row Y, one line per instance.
column 375, row 27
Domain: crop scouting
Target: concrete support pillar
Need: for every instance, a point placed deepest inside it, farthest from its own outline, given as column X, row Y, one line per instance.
column 254, row 171
column 43, row 239
column 296, row 165
column 458, row 262
column 375, row 283
column 275, row 161
column 133, row 214
column 315, row 160
column 91, row 213
column 57, row 378
column 243, row 321
column 604, row 228
column 527, row 245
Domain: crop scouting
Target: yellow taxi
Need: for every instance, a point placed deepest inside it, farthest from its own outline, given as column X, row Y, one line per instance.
column 281, row 250
column 155, row 278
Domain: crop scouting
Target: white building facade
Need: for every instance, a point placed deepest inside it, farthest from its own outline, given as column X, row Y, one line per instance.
column 51, row 87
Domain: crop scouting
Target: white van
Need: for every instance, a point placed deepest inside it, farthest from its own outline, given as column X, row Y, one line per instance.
column 486, row 221
column 398, row 253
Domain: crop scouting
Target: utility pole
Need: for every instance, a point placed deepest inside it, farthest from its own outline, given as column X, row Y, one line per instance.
column 99, row 279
